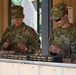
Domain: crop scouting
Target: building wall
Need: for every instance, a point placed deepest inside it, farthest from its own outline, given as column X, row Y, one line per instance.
column 3, row 15
column 35, row 68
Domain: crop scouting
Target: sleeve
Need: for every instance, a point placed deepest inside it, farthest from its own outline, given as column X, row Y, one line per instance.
column 51, row 39
column 5, row 34
column 3, row 39
column 73, row 45
column 34, row 43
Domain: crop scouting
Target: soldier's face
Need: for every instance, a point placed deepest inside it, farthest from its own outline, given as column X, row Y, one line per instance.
column 17, row 21
column 61, row 22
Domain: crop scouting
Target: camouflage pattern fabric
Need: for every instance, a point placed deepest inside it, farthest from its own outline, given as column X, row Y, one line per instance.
column 16, row 11
column 23, row 34
column 58, row 11
column 65, row 39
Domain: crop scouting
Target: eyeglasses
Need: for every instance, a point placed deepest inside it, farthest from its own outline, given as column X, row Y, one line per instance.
column 57, row 20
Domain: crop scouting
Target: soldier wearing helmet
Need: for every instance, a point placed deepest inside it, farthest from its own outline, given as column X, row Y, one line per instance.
column 63, row 39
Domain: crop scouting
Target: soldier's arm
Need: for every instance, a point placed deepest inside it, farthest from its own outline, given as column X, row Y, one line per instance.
column 34, row 43
column 5, row 34
column 73, row 45
column 51, row 40
column 51, row 43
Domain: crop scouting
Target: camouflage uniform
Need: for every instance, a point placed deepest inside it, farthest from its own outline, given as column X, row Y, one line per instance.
column 64, row 38
column 22, row 34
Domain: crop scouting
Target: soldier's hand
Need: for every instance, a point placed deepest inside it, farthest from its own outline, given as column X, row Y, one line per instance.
column 54, row 49
column 22, row 46
column 5, row 44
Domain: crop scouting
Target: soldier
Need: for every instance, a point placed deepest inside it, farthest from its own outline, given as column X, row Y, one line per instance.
column 63, row 39
column 20, row 37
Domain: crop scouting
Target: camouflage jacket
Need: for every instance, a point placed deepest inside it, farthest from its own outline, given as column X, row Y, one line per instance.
column 65, row 39
column 24, row 34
